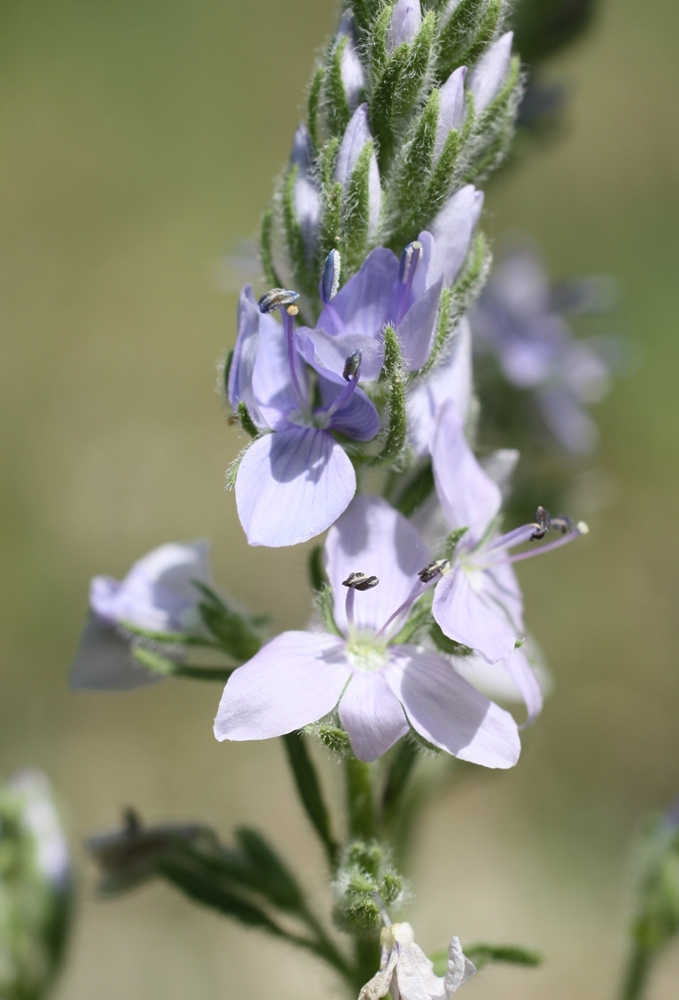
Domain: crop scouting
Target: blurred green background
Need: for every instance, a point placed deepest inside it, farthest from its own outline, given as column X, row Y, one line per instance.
column 139, row 142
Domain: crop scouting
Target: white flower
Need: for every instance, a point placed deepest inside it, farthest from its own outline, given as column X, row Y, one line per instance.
column 407, row 974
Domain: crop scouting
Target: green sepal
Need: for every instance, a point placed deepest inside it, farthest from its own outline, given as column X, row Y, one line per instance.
column 453, row 540
column 356, row 213
column 446, row 645
column 246, row 421
column 377, row 42
column 398, row 88
column 313, row 105
column 365, row 12
column 456, row 35
column 335, row 103
column 309, row 790
column 485, row 33
column 484, row 954
column 266, row 253
column 316, row 569
column 294, row 238
column 494, row 128
column 325, row 603
column 365, row 872
column 234, row 632
column 154, row 662
column 332, row 737
column 415, row 165
column 226, row 371
column 419, row 489
column 393, row 378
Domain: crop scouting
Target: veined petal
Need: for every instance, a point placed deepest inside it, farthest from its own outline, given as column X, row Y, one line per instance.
column 240, row 388
column 465, row 617
column 371, row 715
column 460, row 969
column 295, row 679
column 453, row 229
column 371, row 537
column 415, row 972
column 452, row 381
column 378, row 986
column 368, row 300
column 487, row 77
column 416, row 330
column 327, row 354
column 521, row 672
column 271, row 381
column 468, row 496
column 357, row 418
column 292, row 485
column 449, row 712
column 502, row 591
column 104, row 662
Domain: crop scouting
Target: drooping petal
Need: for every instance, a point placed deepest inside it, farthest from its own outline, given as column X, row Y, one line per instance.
column 368, row 300
column 292, row 485
column 466, row 617
column 103, row 661
column 378, row 986
column 468, row 496
column 328, row 353
column 371, row 537
column 272, row 379
column 513, row 679
column 305, row 194
column 487, row 77
column 371, row 715
column 452, row 112
column 449, row 712
column 356, row 134
column 295, row 679
column 357, row 418
column 416, row 331
column 351, row 67
column 522, row 674
column 414, row 971
column 450, row 381
column 158, row 592
column 453, row 229
column 405, row 23
column 460, row 969
column 240, row 388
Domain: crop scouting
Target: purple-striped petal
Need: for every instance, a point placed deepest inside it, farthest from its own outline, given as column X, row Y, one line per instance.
column 357, row 419
column 292, row 485
column 272, row 381
column 295, row 679
column 306, row 198
column 371, row 715
column 416, row 331
column 240, row 388
column 449, row 712
column 327, row 353
column 452, row 230
column 356, row 135
column 466, row 617
column 522, row 674
column 468, row 496
column 371, row 537
column 368, row 300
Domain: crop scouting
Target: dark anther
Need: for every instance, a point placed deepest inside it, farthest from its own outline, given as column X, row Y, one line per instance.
column 276, row 298
column 360, row 581
column 543, row 523
column 562, row 524
column 351, row 366
column 433, row 569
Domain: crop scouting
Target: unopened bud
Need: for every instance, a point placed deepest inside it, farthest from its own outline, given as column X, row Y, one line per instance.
column 276, row 299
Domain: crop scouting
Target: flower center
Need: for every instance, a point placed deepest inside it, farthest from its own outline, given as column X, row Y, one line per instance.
column 366, row 652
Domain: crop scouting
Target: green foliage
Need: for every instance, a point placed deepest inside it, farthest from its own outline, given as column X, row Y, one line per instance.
column 418, row 620
column 400, row 771
column 325, row 605
column 332, row 737
column 317, row 577
column 235, row 632
column 456, row 35
column 311, row 796
column 246, row 421
column 269, row 875
column 313, row 106
column 335, row 104
column 414, row 166
column 485, row 954
column 355, row 213
column 446, row 645
column 453, row 540
column 366, row 12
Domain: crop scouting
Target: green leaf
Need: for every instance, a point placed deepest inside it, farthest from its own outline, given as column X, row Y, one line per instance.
column 309, row 790
column 356, row 212
column 400, row 770
column 446, row 645
column 335, row 103
column 154, row 662
column 317, row 577
column 233, row 630
column 419, row 489
column 393, row 376
column 484, row 954
column 271, row 876
column 226, row 372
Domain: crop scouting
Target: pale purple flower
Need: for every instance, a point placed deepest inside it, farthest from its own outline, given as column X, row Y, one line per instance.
column 353, row 76
column 407, row 974
column 158, row 595
column 306, row 198
column 478, row 601
column 452, row 110
column 378, row 688
column 404, row 24
column 453, row 229
column 517, row 321
column 486, row 79
column 356, row 135
column 295, row 480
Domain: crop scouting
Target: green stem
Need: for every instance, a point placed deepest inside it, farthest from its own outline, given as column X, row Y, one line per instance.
column 399, row 773
column 637, row 974
column 367, row 958
column 360, row 799
column 310, row 794
column 220, row 674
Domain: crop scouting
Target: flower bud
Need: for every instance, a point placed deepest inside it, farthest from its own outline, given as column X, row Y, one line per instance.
column 453, row 229
column 405, row 23
column 357, row 134
column 306, row 198
column 487, row 77
column 452, row 111
column 353, row 76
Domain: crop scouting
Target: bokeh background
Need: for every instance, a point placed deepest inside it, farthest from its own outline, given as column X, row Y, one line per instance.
column 139, row 142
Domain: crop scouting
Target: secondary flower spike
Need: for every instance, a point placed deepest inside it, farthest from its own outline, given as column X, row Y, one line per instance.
column 407, row 974
column 158, row 594
column 478, row 602
column 295, row 480
column 378, row 686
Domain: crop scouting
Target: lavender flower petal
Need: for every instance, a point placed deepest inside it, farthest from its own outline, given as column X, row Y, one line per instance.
column 372, row 533
column 468, row 496
column 357, row 419
column 327, row 353
column 449, row 712
column 245, row 355
column 487, row 77
column 295, row 679
column 372, row 717
column 405, row 23
column 519, row 669
column 353, row 77
column 292, row 485
column 367, row 300
column 305, row 194
column 452, row 111
column 272, row 384
column 416, row 331
column 453, row 229
column 103, row 661
column 466, row 617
